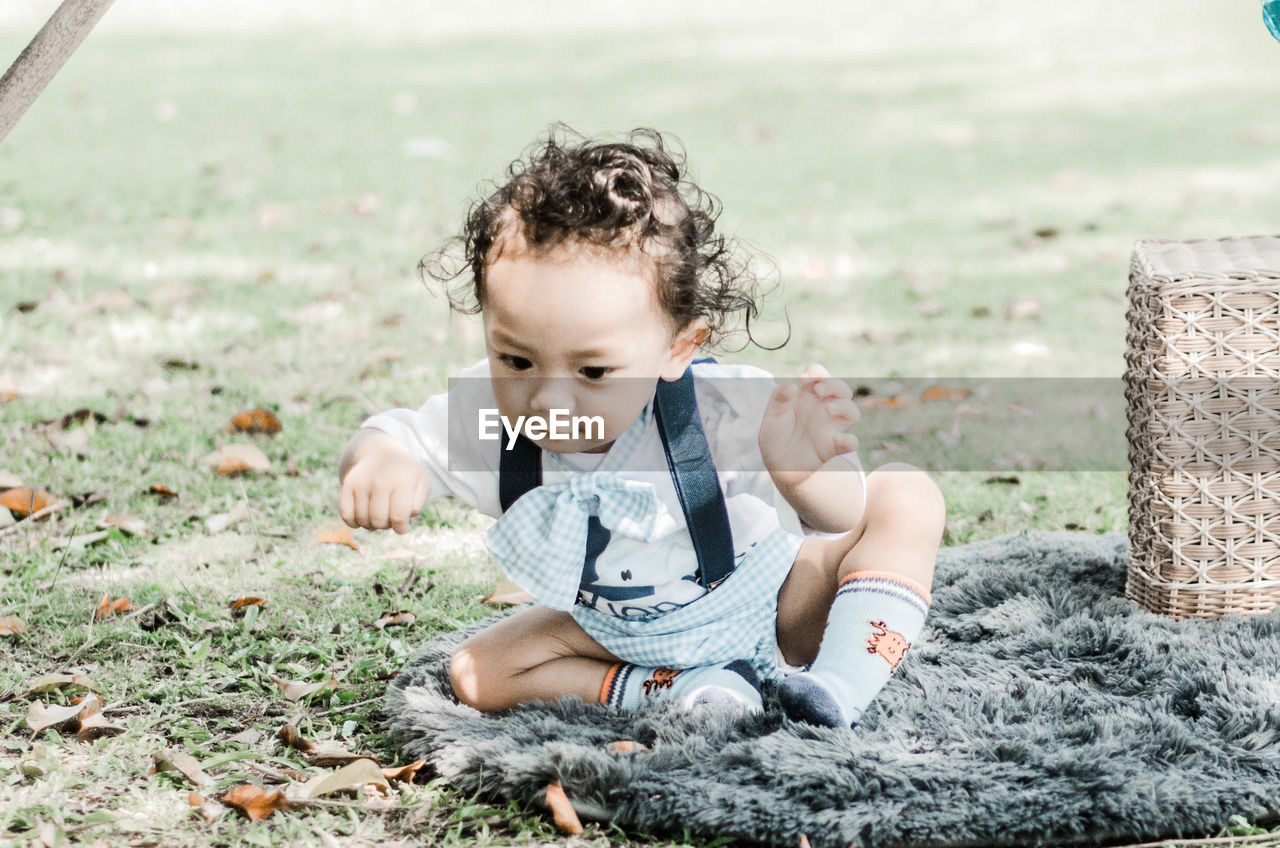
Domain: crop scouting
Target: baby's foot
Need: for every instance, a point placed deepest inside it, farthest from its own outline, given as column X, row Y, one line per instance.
column 731, row 687
column 806, row 698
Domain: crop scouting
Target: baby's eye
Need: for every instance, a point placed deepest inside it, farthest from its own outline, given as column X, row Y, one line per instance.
column 594, row 372
column 515, row 363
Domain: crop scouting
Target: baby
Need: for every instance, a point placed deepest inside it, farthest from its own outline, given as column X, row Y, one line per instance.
column 698, row 533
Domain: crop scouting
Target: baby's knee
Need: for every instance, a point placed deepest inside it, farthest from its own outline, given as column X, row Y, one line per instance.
column 898, row 491
column 469, row 668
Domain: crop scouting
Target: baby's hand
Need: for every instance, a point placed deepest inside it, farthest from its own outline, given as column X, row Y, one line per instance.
column 382, row 485
column 805, row 426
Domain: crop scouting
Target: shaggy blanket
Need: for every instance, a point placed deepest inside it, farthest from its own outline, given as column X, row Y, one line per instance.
column 1039, row 707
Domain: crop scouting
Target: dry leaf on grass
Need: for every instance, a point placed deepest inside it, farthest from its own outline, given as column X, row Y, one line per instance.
column 254, row 801
column 236, row 459
column 164, row 493
column 11, row 625
column 8, row 389
column 943, row 393
column 323, row 757
column 404, row 774
column 337, row 533
column 393, row 619
column 894, row 402
column 290, row 737
column 255, row 421
column 130, row 524
column 51, row 682
column 508, row 593
column 225, row 520
column 41, row 716
column 180, row 761
column 94, row 726
column 109, row 608
column 210, row 810
column 562, row 812
column 80, row 540
column 354, row 775
column 247, row 601
column 24, row 501
column 82, row 718
column 296, row 690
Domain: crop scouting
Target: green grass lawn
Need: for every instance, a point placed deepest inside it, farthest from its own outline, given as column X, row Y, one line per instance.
column 199, row 218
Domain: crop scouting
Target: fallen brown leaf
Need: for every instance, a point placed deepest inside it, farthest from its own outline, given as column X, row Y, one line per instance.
column 51, row 682
column 354, row 775
column 108, row 608
column 562, row 812
column 225, row 520
column 181, row 762
column 164, row 493
column 296, row 690
column 290, row 737
column 41, row 716
column 254, row 801
column 943, row 393
column 337, row 533
column 508, row 593
column 255, row 421
column 130, row 524
column 24, row 501
column 95, row 726
column 323, row 757
column 404, row 774
column 247, row 601
column 894, row 402
column 8, row 390
column 11, row 625
column 393, row 619
column 236, row 459
column 211, row 810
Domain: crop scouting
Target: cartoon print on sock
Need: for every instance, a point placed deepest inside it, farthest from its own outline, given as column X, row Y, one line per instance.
column 662, row 678
column 887, row 644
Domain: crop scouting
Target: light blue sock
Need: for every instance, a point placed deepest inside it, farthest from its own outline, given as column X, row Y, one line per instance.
column 873, row 620
column 732, row 686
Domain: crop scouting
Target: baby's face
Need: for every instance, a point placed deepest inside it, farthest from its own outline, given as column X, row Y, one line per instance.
column 578, row 330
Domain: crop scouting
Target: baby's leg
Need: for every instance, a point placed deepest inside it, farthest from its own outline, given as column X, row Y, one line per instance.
column 536, row 654
column 852, row 606
column 539, row 655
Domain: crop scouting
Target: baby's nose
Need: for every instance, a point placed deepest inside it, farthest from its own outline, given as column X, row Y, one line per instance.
column 552, row 393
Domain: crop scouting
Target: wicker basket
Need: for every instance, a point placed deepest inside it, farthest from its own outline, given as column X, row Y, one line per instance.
column 1202, row 381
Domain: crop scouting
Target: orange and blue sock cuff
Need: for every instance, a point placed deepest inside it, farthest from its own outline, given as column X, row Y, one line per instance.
column 883, row 580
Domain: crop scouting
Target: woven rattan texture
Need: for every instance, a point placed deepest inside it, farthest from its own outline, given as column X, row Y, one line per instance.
column 1202, row 382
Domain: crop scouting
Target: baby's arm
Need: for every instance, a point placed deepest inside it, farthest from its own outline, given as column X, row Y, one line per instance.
column 809, row 454
column 383, row 486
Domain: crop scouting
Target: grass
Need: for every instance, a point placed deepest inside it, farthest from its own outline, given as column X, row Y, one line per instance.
column 261, row 195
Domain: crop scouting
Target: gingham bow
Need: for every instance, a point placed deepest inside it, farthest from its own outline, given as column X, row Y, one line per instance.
column 541, row 540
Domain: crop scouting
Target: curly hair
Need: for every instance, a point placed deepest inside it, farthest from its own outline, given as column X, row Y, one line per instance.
column 634, row 194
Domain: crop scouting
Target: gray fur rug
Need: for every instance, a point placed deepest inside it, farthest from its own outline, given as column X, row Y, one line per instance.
column 1039, row 707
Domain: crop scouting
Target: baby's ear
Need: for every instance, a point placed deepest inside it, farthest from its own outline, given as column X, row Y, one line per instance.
column 684, row 347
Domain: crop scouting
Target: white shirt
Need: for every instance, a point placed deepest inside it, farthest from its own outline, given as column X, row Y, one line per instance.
column 731, row 401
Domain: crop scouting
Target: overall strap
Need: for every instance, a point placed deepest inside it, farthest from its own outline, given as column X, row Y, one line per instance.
column 675, row 409
column 693, row 473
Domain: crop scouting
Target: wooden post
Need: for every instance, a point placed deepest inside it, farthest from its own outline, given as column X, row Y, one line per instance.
column 47, row 52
